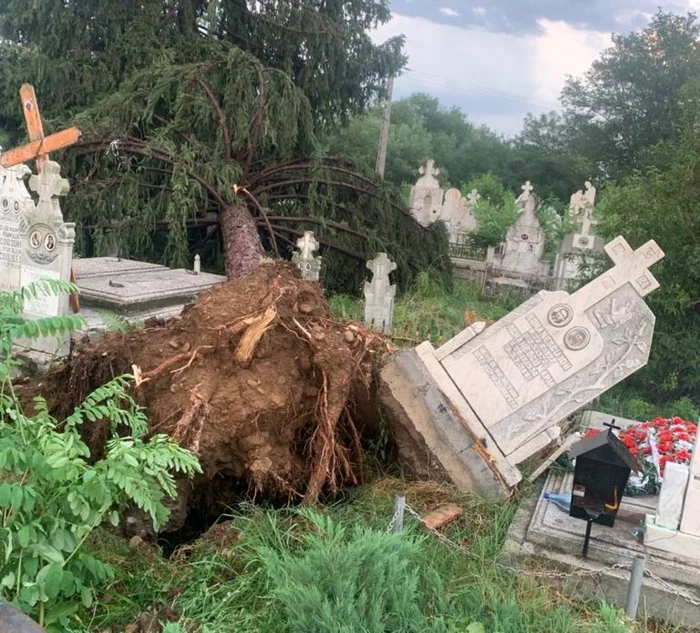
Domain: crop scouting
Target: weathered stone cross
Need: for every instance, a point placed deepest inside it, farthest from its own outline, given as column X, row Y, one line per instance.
column 429, row 169
column 39, row 146
column 474, row 197
column 307, row 245
column 527, row 188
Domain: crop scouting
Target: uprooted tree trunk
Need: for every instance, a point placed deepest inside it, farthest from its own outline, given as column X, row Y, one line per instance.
column 255, row 378
column 241, row 241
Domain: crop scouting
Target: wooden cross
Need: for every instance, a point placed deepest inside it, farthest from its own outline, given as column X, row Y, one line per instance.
column 39, row 146
column 38, row 149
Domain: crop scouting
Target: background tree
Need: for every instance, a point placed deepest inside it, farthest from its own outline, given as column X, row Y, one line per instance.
column 629, row 100
column 663, row 205
column 209, row 109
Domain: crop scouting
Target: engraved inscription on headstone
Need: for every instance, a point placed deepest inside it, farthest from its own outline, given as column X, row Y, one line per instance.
column 14, row 199
column 545, row 360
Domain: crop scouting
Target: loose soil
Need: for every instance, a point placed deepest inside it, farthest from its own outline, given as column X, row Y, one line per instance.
column 255, row 377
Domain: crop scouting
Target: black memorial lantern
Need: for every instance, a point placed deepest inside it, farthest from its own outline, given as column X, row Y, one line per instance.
column 603, row 466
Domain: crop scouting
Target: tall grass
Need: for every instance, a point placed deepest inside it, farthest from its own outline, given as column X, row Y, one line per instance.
column 336, row 570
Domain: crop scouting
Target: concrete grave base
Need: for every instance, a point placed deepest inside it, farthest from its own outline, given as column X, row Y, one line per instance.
column 544, row 537
column 438, row 434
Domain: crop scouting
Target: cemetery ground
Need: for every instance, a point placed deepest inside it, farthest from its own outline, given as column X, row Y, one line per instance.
column 270, row 565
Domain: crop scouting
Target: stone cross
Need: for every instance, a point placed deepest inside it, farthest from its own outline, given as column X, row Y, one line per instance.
column 49, row 184
column 309, row 265
column 380, row 294
column 429, row 169
column 527, row 189
column 473, row 197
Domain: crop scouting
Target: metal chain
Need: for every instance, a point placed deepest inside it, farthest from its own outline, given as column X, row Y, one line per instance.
column 392, row 523
column 673, row 589
column 547, row 574
column 562, row 575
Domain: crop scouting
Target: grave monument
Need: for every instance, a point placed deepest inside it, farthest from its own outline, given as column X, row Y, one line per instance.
column 481, row 404
column 380, row 294
column 581, row 245
column 426, row 197
column 309, row 265
column 39, row 243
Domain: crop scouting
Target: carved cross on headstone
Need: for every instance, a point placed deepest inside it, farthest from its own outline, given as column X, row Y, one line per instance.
column 39, row 146
column 631, row 266
column 307, row 245
column 429, row 169
column 49, row 184
column 473, row 197
column 309, row 265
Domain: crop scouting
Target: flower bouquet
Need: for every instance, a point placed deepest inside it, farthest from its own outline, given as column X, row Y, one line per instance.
column 656, row 443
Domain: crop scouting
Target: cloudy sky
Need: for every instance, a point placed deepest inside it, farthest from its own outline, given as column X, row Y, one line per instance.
column 499, row 59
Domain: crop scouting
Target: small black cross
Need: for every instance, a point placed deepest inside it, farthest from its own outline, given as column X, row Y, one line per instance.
column 612, row 425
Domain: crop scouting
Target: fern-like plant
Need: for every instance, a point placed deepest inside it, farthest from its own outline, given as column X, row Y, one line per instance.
column 51, row 496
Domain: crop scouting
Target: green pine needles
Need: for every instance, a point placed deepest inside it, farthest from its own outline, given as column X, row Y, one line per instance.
column 52, row 495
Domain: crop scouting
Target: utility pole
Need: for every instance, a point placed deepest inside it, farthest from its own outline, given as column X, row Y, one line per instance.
column 384, row 136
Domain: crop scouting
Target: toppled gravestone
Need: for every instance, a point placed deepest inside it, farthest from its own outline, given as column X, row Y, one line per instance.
column 488, row 399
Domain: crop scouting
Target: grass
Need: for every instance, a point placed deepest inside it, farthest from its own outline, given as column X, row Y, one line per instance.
column 426, row 308
column 335, row 570
column 240, row 577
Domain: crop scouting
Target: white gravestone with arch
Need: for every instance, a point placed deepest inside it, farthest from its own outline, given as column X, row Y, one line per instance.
column 380, row 294
column 525, row 240
column 46, row 253
column 15, row 202
column 426, row 198
column 309, row 265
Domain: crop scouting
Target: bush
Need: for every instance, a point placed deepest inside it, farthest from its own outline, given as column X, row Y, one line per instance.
column 345, row 581
column 52, row 496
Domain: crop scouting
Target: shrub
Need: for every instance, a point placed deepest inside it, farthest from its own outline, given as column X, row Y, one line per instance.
column 52, row 496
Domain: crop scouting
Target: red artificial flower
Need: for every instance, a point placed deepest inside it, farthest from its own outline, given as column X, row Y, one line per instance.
column 683, row 456
column 591, row 433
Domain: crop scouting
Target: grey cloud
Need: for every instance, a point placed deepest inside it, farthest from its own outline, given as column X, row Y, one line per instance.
column 520, row 16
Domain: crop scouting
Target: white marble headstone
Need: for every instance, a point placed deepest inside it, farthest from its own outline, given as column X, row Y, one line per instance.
column 557, row 352
column 670, row 505
column 15, row 202
column 426, row 195
column 309, row 265
column 380, row 294
column 47, row 253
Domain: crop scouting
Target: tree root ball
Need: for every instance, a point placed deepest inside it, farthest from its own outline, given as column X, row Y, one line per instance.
column 254, row 377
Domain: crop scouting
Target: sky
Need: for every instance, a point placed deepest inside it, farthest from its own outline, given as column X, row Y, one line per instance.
column 497, row 60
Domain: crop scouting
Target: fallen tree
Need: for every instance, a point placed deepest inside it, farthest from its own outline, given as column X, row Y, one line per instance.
column 255, row 377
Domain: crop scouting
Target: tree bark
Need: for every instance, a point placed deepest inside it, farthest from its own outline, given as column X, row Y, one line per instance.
column 242, row 245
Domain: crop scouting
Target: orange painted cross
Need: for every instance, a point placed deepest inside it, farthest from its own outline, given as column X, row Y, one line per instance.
column 39, row 147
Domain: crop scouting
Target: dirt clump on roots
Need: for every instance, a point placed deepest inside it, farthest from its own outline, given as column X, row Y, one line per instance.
column 254, row 377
